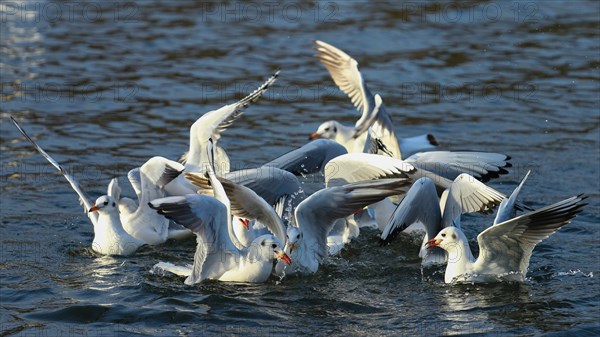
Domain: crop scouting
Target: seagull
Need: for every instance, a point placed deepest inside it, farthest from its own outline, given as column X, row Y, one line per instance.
column 138, row 218
column 211, row 125
column 110, row 238
column 421, row 203
column 316, row 216
column 217, row 256
column 506, row 247
column 374, row 119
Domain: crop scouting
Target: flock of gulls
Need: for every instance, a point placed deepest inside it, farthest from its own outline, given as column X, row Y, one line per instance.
column 255, row 223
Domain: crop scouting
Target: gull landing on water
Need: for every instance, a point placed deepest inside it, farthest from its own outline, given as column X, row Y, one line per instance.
column 506, row 247
column 109, row 236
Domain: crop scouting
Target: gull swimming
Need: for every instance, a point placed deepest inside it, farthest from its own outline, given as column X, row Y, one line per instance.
column 421, row 203
column 217, row 256
column 110, row 238
column 374, row 117
column 506, row 247
column 315, row 217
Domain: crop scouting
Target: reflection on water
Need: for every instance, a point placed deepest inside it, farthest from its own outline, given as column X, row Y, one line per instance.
column 104, row 86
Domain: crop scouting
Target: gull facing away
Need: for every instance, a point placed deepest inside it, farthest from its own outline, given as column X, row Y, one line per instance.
column 421, row 204
column 506, row 247
column 138, row 218
column 374, row 117
column 109, row 236
column 316, row 215
column 217, row 256
column 211, row 125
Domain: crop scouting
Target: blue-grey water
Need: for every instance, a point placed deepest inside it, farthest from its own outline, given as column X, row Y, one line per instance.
column 103, row 86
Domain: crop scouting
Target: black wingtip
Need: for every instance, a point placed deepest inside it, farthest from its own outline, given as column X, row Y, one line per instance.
column 432, row 140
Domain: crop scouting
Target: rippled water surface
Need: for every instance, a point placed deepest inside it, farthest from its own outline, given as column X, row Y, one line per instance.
column 104, row 86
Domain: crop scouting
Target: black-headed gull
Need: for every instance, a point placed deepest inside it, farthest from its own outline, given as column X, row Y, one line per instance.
column 316, row 216
column 421, row 204
column 344, row 71
column 506, row 247
column 109, row 236
column 218, row 256
column 211, row 125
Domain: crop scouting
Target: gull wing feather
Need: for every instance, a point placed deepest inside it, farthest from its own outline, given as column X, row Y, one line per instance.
column 354, row 167
column 310, row 158
column 508, row 208
column 207, row 218
column 420, row 204
column 508, row 245
column 83, row 196
column 245, row 203
column 316, row 215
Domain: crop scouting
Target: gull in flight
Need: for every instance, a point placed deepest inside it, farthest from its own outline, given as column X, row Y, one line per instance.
column 421, row 203
column 218, row 256
column 315, row 218
column 506, row 247
column 109, row 236
column 374, row 117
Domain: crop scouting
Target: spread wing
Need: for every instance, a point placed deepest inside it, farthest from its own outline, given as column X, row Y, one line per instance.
column 468, row 195
column 85, row 200
column 270, row 183
column 207, row 218
column 420, row 204
column 450, row 164
column 507, row 246
column 310, row 158
column 316, row 215
column 213, row 123
column 246, row 204
column 508, row 208
column 354, row 167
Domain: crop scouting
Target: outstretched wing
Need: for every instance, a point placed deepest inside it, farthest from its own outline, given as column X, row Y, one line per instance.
column 354, row 167
column 468, row 195
column 316, row 215
column 85, row 200
column 420, row 204
column 507, row 209
column 213, row 123
column 310, row 158
column 450, row 164
column 246, row 204
column 508, row 245
column 207, row 218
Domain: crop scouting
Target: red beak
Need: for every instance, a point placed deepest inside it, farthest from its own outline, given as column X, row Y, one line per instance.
column 245, row 223
column 433, row 243
column 314, row 136
column 284, row 257
column 94, row 209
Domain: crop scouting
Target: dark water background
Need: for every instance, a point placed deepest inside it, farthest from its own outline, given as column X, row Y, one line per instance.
column 103, row 86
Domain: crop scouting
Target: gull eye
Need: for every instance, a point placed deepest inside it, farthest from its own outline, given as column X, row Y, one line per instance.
column 262, row 243
column 443, row 235
column 114, row 204
column 327, row 129
column 454, row 236
column 334, row 129
column 273, row 246
column 298, row 236
column 106, row 203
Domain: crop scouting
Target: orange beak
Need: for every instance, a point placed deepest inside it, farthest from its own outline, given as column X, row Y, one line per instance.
column 314, row 136
column 94, row 209
column 245, row 223
column 284, row 257
column 433, row 243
